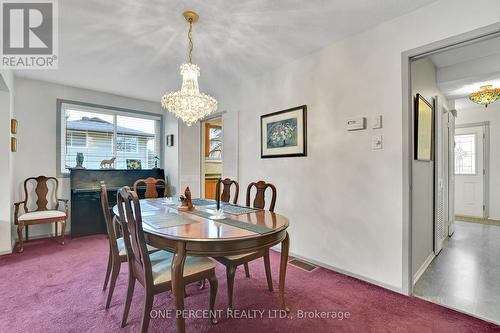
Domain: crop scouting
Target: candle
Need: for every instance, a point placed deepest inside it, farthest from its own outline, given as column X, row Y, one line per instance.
column 217, row 193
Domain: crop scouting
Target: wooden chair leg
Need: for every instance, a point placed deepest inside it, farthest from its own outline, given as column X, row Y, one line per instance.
column 108, row 271
column 148, row 305
column 201, row 284
column 247, row 270
column 115, row 270
column 267, row 266
column 26, row 233
column 230, row 271
column 55, row 227
column 63, row 230
column 128, row 301
column 213, row 294
column 20, row 236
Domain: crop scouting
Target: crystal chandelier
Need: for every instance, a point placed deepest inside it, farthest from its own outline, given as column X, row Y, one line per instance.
column 189, row 103
column 485, row 96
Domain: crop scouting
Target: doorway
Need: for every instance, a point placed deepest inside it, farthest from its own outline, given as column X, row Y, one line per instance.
column 212, row 152
column 450, row 193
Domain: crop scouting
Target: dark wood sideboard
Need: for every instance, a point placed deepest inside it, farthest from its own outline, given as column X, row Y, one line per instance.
column 86, row 211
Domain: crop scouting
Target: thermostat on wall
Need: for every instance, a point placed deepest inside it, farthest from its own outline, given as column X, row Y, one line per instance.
column 355, row 124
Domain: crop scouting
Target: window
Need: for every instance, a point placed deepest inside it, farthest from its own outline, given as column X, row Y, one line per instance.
column 213, row 141
column 100, row 133
column 465, row 154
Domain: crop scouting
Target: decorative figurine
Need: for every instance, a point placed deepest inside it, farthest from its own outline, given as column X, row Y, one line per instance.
column 156, row 158
column 186, row 203
column 108, row 164
column 79, row 161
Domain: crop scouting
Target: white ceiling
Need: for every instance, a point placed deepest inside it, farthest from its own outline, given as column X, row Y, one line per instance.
column 134, row 48
column 466, row 53
column 463, row 70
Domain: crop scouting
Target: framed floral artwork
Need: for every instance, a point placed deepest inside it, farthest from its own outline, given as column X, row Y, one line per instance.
column 284, row 133
column 133, row 164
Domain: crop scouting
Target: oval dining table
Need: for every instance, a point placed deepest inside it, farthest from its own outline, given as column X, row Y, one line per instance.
column 204, row 236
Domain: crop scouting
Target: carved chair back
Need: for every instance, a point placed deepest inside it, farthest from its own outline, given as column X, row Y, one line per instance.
column 260, row 195
column 130, row 217
column 110, row 221
column 41, row 192
column 226, row 190
column 151, row 191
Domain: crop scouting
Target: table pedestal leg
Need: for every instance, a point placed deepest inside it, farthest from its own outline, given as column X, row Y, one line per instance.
column 285, row 244
column 178, row 285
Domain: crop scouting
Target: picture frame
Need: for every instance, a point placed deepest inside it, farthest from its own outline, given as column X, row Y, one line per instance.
column 13, row 144
column 170, row 140
column 13, row 126
column 134, row 164
column 424, row 129
column 284, row 133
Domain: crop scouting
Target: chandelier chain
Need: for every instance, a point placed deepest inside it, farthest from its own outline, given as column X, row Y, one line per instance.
column 190, row 37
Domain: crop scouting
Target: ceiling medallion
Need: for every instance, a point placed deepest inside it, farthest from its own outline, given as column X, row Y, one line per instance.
column 189, row 104
column 485, row 96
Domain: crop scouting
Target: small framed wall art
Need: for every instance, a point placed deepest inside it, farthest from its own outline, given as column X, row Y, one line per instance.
column 13, row 126
column 284, row 133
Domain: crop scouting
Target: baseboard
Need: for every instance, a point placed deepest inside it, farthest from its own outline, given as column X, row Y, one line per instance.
column 480, row 220
column 41, row 236
column 422, row 268
column 344, row 272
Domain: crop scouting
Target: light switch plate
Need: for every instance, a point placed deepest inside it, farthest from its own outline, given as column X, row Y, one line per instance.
column 376, row 142
column 354, row 124
column 377, row 122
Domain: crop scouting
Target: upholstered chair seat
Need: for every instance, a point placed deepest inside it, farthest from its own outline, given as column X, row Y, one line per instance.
column 161, row 264
column 44, row 214
column 122, row 251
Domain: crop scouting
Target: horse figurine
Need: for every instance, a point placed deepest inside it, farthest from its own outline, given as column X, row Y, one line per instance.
column 108, row 164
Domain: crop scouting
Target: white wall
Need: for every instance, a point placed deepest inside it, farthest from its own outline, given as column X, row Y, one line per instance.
column 345, row 201
column 6, row 159
column 35, row 105
column 491, row 114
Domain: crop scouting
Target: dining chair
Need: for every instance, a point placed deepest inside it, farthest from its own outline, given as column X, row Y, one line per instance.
column 151, row 190
column 226, row 190
column 153, row 271
column 117, row 251
column 232, row 262
column 40, row 205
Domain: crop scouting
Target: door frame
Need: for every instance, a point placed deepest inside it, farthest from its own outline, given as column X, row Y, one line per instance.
column 202, row 147
column 487, row 32
column 486, row 162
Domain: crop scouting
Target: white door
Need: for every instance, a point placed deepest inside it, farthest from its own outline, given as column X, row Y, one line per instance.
column 469, row 171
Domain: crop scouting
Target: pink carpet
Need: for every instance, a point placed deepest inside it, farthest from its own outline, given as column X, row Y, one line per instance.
column 53, row 288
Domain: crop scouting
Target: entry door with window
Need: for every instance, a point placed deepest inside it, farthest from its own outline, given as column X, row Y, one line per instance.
column 469, row 171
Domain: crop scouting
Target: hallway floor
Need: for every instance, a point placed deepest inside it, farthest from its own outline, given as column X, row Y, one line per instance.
column 466, row 274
